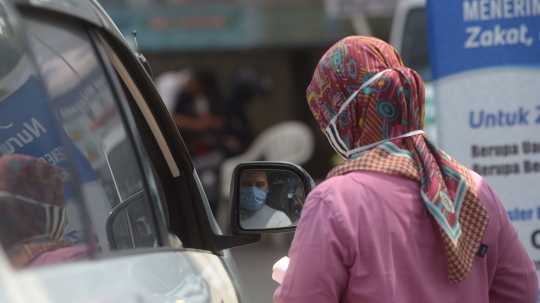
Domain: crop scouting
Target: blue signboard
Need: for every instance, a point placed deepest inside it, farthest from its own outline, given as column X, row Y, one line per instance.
column 485, row 60
column 474, row 34
column 27, row 128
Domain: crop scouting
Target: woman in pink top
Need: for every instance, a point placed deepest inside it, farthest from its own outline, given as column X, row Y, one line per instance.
column 400, row 220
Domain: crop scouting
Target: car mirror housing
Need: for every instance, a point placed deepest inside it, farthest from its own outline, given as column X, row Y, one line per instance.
column 267, row 197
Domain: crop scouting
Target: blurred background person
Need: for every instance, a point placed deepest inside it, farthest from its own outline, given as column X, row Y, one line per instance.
column 213, row 125
column 193, row 99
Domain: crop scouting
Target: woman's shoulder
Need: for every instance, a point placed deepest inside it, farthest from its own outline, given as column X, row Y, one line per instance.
column 487, row 196
column 485, row 192
column 61, row 254
column 334, row 185
column 359, row 189
column 362, row 181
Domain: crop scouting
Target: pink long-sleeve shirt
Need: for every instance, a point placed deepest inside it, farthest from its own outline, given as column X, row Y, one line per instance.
column 368, row 237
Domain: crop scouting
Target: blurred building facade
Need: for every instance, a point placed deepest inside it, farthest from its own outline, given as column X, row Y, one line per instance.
column 188, row 25
column 283, row 39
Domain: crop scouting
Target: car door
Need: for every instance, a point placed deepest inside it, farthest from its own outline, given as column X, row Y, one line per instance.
column 126, row 236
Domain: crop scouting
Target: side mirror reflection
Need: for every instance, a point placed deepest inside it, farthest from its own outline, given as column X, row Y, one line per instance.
column 130, row 226
column 270, row 198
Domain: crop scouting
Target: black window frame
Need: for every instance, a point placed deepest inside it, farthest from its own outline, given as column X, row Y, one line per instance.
column 131, row 129
column 182, row 216
column 189, row 200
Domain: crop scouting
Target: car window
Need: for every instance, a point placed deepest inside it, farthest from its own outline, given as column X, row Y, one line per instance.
column 40, row 217
column 110, row 177
column 415, row 50
column 163, row 167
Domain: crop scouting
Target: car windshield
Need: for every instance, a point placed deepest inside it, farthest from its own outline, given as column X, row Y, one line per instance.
column 415, row 50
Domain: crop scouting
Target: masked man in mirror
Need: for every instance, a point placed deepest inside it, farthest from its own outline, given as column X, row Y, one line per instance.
column 255, row 214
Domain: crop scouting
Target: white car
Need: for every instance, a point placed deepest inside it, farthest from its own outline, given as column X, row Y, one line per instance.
column 99, row 200
column 409, row 37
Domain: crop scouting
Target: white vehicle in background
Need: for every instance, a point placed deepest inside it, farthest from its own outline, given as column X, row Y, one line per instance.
column 409, row 37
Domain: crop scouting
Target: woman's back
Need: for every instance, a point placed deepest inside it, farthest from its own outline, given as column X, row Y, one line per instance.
column 368, row 237
column 400, row 220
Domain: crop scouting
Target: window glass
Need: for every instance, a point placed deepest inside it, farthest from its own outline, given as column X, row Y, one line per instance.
column 103, row 154
column 40, row 223
column 415, row 50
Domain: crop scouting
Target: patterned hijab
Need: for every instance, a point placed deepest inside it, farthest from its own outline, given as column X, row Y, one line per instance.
column 388, row 114
column 32, row 208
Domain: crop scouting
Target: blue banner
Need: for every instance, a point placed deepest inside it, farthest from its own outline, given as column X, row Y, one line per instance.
column 485, row 61
column 27, row 128
column 474, row 34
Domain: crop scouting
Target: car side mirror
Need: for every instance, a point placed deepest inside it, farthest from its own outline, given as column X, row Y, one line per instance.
column 128, row 227
column 267, row 197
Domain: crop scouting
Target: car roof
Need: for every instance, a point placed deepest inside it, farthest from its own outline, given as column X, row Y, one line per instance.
column 87, row 10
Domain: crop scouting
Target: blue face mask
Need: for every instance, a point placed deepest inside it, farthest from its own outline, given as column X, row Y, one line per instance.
column 252, row 198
